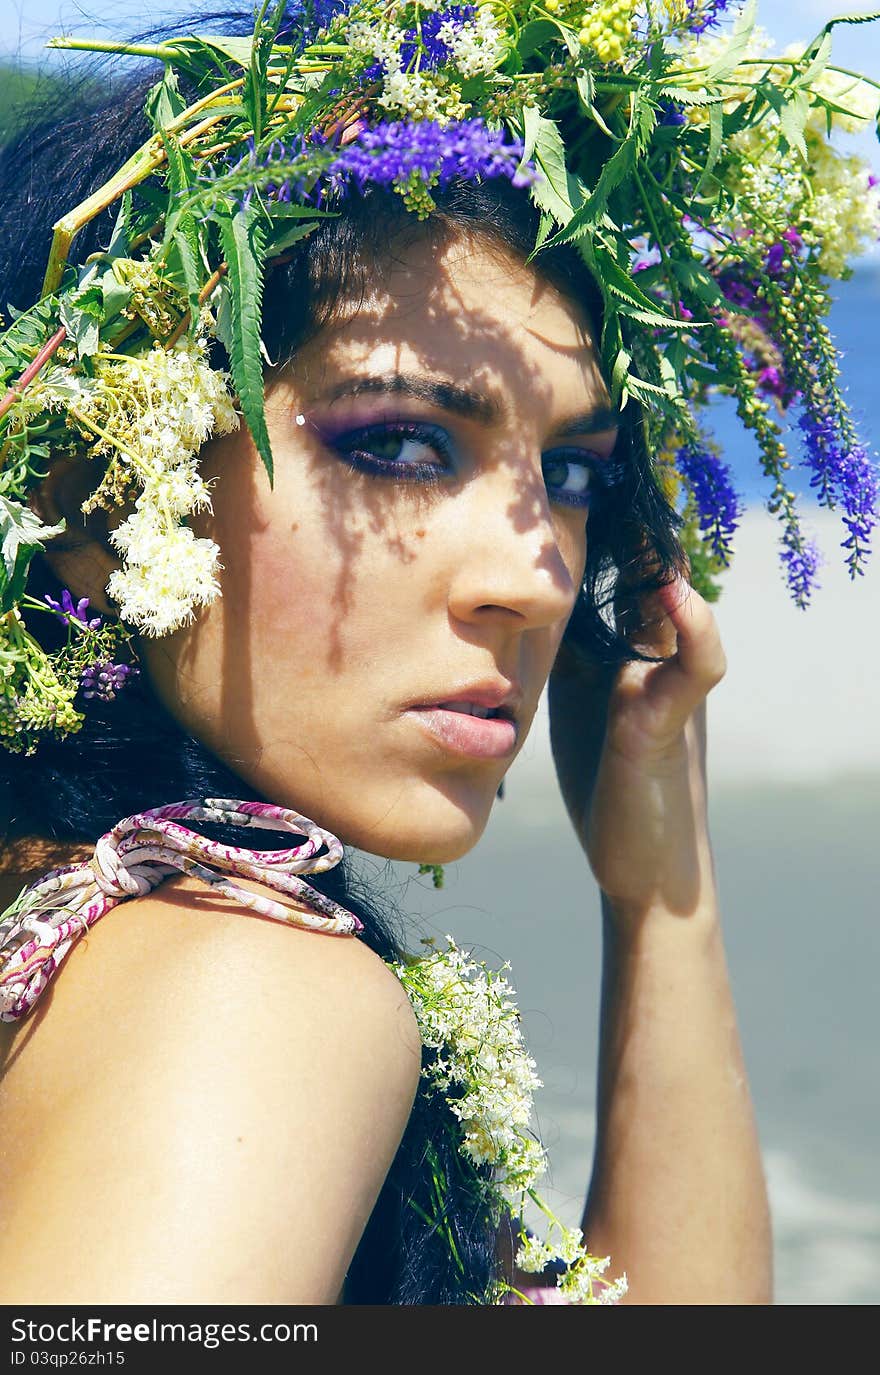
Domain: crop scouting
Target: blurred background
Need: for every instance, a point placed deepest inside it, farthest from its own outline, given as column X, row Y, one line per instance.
column 794, row 773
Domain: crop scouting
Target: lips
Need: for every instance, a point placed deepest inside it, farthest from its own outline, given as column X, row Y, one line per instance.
column 466, row 733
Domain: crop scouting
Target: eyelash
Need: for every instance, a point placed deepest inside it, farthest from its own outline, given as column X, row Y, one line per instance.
column 605, row 472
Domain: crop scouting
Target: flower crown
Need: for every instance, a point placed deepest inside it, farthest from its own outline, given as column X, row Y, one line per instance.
column 692, row 170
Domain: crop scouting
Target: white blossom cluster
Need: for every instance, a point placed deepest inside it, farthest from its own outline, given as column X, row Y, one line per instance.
column 412, row 87
column 468, row 1016
column 151, row 415
column 476, row 45
column 831, row 201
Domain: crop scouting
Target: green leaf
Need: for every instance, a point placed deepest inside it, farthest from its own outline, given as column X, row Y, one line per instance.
column 114, row 293
column 716, row 133
column 535, row 35
column 243, row 241
column 819, row 62
column 81, row 317
column 22, row 534
column 552, row 193
column 292, row 235
column 181, row 226
column 237, row 49
column 793, row 119
column 816, row 45
column 164, row 101
column 621, row 285
column 23, row 339
column 694, row 277
column 586, row 94
column 736, row 48
column 669, row 377
column 619, row 377
column 615, row 171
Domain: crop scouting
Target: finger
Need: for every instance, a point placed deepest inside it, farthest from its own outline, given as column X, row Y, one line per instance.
column 699, row 652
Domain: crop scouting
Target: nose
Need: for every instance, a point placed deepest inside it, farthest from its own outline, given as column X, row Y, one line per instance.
column 514, row 558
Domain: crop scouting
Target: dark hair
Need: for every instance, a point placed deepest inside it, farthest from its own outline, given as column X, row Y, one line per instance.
column 132, row 754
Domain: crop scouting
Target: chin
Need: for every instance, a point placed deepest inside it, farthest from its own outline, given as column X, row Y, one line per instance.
column 440, row 830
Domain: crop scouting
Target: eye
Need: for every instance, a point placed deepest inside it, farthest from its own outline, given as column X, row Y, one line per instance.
column 404, row 449
column 575, row 477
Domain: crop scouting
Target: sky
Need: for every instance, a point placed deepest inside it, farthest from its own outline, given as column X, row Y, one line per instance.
column 26, row 23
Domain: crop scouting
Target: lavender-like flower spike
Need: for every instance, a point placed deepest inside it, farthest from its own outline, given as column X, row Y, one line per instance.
column 705, row 14
column 800, row 561
column 104, row 679
column 846, row 473
column 718, row 504
column 65, row 610
column 391, row 152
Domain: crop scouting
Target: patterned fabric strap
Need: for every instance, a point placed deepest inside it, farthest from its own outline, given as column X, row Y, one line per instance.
column 41, row 926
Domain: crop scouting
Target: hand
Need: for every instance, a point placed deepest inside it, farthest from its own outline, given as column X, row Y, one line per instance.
column 629, row 744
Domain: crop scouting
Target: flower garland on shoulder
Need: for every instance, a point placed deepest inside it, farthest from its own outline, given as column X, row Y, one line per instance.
column 691, row 168
column 476, row 1059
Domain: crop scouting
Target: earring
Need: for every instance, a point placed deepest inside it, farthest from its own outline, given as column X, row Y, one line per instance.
column 500, row 792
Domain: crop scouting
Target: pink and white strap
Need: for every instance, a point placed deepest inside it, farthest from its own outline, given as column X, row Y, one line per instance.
column 41, row 926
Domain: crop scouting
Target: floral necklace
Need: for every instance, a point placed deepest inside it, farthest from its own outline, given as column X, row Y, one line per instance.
column 469, row 1024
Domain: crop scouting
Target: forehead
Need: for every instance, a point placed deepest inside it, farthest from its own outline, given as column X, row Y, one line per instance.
column 466, row 311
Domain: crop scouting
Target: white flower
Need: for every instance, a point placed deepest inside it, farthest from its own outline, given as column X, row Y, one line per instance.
column 534, row 1256
column 166, row 574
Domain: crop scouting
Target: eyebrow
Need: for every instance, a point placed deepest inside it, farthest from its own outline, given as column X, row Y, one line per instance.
column 471, row 405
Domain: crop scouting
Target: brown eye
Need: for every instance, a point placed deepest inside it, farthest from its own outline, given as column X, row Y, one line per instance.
column 572, row 476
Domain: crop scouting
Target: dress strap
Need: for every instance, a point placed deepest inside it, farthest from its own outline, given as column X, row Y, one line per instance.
column 48, row 916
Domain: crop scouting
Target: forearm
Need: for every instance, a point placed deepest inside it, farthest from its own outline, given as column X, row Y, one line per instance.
column 678, row 1197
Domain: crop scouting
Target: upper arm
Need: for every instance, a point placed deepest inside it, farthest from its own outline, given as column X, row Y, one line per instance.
column 220, row 1128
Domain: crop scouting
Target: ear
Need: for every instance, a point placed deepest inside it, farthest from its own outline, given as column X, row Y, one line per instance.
column 82, row 558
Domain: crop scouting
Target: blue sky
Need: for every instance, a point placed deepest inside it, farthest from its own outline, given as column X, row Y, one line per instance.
column 26, row 23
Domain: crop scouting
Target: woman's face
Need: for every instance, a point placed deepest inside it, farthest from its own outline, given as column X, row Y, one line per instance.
column 424, row 543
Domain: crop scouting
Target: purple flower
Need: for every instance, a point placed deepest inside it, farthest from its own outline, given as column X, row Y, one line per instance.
column 305, row 19
column 738, row 292
column 842, row 472
column 705, row 14
column 431, row 51
column 778, row 252
column 104, row 679
column 673, row 113
column 65, row 609
column 390, row 152
column 718, row 504
column 800, row 560
column 772, row 383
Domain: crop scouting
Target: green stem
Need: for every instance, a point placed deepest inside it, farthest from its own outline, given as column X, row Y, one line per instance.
column 162, row 52
column 664, row 256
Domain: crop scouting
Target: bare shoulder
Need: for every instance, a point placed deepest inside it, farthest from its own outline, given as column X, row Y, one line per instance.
column 255, row 1080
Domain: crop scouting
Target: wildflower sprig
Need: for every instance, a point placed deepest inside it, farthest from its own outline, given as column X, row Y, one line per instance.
column 475, row 1057
column 687, row 162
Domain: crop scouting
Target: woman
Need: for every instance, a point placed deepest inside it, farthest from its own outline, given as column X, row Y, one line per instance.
column 213, row 1108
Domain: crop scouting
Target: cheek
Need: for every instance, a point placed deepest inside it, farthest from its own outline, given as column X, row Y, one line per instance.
column 330, row 581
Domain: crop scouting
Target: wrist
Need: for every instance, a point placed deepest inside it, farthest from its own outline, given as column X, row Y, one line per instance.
column 626, row 912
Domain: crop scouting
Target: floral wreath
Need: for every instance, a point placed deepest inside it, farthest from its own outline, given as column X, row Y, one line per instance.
column 692, row 170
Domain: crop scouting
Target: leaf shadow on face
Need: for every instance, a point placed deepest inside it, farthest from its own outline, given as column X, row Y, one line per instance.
column 425, row 318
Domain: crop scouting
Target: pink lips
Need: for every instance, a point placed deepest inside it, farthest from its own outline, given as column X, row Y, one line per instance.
column 490, row 738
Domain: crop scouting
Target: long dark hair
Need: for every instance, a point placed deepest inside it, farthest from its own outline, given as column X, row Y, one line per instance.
column 131, row 754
